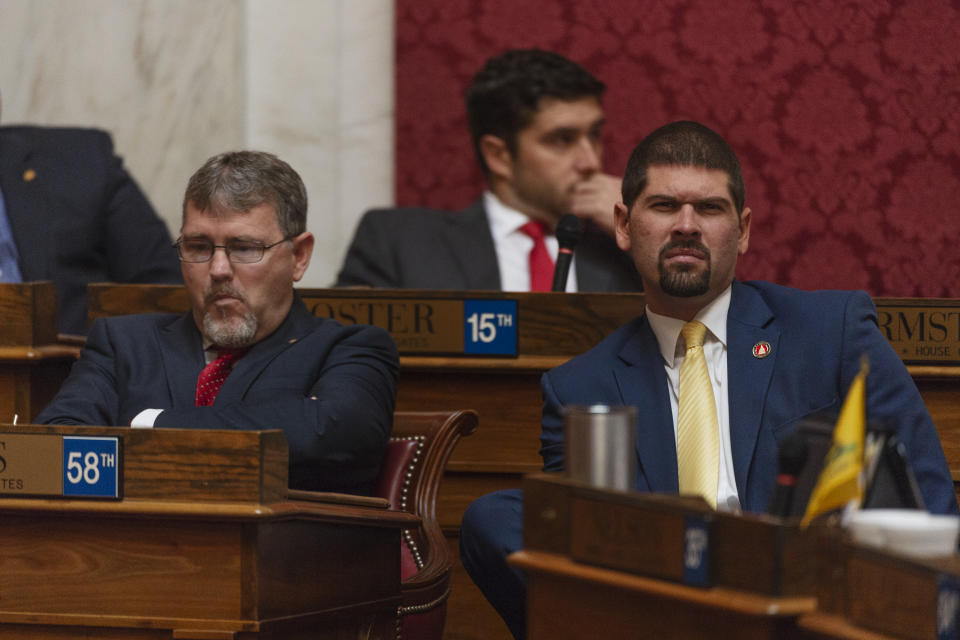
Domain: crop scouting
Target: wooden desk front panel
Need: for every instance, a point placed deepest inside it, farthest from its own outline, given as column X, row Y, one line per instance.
column 942, row 397
column 193, row 577
column 121, row 567
column 509, row 405
column 567, row 600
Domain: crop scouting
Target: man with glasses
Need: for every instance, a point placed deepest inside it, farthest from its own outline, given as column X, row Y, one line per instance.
column 248, row 355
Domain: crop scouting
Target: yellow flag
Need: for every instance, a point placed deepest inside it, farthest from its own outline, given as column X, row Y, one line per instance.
column 839, row 481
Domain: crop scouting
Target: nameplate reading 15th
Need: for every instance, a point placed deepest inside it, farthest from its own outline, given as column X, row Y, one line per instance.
column 53, row 465
column 435, row 326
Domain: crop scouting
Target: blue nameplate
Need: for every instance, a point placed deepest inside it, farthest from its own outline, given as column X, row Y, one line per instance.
column 91, row 467
column 696, row 551
column 490, row 327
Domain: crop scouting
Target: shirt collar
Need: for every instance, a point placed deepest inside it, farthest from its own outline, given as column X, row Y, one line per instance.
column 503, row 219
column 667, row 329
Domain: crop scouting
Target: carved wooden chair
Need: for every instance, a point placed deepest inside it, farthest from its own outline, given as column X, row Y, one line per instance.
column 420, row 446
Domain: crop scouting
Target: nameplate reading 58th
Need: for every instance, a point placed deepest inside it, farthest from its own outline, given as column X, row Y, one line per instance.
column 56, row 466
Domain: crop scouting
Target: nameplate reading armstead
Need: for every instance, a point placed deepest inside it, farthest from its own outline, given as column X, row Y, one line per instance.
column 922, row 330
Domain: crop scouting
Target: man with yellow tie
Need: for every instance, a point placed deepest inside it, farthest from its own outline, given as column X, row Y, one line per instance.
column 720, row 370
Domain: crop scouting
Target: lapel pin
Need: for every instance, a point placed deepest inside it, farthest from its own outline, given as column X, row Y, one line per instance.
column 29, row 175
column 761, row 349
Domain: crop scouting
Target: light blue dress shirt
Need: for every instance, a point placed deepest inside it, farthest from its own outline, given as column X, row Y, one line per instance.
column 9, row 258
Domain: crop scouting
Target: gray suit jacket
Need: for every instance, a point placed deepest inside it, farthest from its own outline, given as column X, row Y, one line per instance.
column 416, row 248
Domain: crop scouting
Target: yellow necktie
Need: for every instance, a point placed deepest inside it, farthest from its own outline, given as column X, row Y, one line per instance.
column 698, row 446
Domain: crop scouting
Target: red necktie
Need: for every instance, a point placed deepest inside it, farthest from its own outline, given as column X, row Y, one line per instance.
column 541, row 264
column 211, row 378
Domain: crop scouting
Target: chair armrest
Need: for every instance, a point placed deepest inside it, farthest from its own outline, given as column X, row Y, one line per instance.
column 431, row 584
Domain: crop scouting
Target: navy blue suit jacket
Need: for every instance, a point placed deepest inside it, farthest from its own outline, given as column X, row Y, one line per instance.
column 414, row 248
column 78, row 217
column 330, row 388
column 817, row 339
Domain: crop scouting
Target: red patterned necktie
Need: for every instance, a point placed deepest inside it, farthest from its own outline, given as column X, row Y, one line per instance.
column 541, row 264
column 211, row 378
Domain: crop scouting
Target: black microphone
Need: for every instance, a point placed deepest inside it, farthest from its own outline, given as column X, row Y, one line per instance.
column 568, row 234
column 791, row 458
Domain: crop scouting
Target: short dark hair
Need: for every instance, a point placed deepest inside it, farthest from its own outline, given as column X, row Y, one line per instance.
column 241, row 180
column 683, row 144
column 505, row 94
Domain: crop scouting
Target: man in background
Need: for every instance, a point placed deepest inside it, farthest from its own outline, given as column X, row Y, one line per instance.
column 536, row 121
column 70, row 213
column 767, row 357
column 249, row 355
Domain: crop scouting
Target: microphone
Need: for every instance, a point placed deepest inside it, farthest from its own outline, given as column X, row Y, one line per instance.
column 568, row 234
column 791, row 459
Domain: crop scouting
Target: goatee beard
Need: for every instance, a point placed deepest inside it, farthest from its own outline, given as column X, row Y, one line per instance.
column 230, row 332
column 682, row 282
column 226, row 330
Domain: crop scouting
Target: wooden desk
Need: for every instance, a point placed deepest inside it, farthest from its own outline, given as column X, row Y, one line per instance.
column 573, row 601
column 204, row 545
column 570, row 600
column 613, row 564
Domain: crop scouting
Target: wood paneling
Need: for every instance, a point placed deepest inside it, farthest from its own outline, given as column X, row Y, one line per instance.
column 198, row 564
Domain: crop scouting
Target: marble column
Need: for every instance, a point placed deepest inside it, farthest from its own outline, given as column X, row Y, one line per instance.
column 176, row 81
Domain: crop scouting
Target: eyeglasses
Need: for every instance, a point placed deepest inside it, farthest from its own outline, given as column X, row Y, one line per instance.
column 238, row 251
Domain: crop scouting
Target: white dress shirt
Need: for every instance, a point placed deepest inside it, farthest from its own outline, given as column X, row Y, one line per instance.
column 513, row 246
column 667, row 331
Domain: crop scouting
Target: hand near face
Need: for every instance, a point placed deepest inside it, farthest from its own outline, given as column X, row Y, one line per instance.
column 593, row 199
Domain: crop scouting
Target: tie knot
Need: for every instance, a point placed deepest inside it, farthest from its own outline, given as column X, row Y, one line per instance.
column 693, row 333
column 535, row 229
column 227, row 354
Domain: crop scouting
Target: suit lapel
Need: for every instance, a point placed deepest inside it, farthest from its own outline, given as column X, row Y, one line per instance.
column 643, row 383
column 247, row 369
column 467, row 235
column 26, row 204
column 748, row 324
column 181, row 350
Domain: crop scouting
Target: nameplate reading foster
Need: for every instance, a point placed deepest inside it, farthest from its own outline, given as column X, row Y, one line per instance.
column 431, row 325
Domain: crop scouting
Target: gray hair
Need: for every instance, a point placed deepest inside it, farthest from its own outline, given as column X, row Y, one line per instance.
column 241, row 180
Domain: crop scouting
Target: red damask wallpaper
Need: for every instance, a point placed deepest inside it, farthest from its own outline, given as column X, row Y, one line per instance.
column 845, row 114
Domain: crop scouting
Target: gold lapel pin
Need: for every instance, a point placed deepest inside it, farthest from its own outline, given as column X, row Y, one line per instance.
column 29, row 175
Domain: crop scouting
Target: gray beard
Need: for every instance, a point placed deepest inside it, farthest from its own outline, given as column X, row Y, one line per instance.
column 232, row 333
